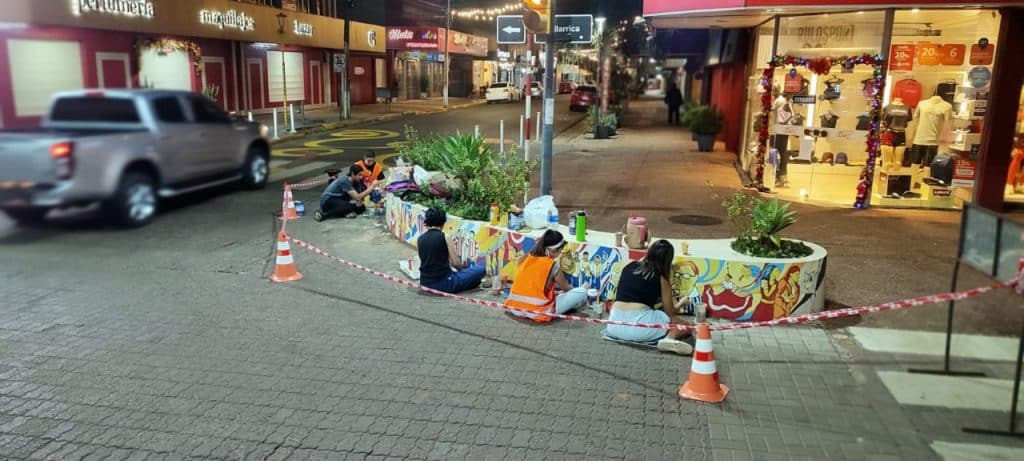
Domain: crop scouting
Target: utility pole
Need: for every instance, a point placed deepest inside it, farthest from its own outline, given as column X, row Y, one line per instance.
column 344, row 102
column 447, row 58
column 549, row 106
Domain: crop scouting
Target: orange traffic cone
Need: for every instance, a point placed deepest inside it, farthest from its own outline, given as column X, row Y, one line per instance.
column 289, row 204
column 285, row 270
column 703, row 382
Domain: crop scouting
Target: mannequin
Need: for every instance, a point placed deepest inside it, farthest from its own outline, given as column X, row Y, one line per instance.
column 930, row 115
column 896, row 116
column 780, row 142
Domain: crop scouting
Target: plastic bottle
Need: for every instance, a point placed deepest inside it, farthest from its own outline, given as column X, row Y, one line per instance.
column 552, row 218
column 581, row 226
column 494, row 214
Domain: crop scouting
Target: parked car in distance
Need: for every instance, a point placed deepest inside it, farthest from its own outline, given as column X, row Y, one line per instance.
column 566, row 87
column 536, row 91
column 583, row 97
column 126, row 149
column 503, row 92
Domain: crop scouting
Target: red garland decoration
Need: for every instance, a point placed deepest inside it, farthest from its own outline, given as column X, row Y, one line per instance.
column 823, row 66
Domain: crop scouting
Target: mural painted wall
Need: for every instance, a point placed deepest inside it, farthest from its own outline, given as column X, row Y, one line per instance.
column 733, row 290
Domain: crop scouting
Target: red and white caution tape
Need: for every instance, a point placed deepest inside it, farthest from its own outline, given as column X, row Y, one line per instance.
column 794, row 320
column 850, row 311
column 310, row 183
column 481, row 302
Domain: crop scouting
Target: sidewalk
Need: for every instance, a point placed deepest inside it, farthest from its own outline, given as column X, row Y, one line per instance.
column 315, row 120
column 875, row 255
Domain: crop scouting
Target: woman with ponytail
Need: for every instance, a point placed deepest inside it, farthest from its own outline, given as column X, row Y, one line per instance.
column 537, row 275
column 643, row 286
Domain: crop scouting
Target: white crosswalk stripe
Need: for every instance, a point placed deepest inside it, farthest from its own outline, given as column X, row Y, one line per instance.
column 934, row 343
column 930, row 399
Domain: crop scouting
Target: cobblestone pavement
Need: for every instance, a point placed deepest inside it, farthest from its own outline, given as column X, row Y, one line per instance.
column 188, row 352
column 168, row 342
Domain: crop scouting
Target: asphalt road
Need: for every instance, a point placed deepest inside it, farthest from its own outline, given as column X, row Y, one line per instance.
column 345, row 146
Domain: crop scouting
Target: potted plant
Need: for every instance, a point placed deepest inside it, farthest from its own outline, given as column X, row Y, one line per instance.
column 610, row 122
column 759, row 223
column 705, row 123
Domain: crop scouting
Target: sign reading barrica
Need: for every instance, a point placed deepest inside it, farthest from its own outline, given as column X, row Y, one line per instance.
column 131, row 8
column 231, row 19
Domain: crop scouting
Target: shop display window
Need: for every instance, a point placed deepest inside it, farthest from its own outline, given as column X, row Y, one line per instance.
column 934, row 106
column 1015, row 175
column 821, row 126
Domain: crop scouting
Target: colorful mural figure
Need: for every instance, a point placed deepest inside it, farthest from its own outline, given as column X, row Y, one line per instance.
column 732, row 290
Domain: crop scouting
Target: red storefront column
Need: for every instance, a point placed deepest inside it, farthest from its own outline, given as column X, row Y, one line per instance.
column 997, row 137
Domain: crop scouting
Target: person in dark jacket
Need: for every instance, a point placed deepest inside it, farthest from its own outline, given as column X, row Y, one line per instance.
column 674, row 99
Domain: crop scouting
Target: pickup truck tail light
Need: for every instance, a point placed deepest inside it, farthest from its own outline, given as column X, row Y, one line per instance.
column 63, row 154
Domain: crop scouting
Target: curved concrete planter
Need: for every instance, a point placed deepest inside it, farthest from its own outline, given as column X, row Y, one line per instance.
column 735, row 286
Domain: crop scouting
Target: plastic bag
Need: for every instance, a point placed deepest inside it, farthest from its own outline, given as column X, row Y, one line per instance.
column 536, row 212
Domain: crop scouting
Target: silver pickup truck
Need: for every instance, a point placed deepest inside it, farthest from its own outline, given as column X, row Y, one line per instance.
column 126, row 149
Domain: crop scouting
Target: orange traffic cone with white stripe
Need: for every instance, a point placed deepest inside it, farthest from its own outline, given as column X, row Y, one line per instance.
column 289, row 204
column 285, row 270
column 703, row 382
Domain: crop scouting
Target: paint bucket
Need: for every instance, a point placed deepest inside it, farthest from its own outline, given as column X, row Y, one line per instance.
column 300, row 208
column 700, row 312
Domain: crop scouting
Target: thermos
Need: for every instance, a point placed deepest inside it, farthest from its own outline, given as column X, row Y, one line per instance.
column 494, row 218
column 636, row 232
column 581, row 226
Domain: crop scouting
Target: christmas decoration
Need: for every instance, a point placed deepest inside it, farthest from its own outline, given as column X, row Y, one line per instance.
column 822, row 66
column 167, row 45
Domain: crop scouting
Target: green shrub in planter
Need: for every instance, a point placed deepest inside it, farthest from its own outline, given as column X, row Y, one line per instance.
column 705, row 123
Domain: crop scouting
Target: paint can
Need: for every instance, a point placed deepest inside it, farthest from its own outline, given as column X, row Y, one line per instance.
column 592, row 300
column 572, row 223
column 300, row 208
column 700, row 312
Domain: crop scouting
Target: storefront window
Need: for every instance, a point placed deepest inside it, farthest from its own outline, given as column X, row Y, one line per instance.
column 819, row 122
column 1015, row 177
column 934, row 106
column 763, row 39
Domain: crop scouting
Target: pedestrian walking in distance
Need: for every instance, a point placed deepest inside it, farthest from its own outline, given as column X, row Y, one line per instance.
column 674, row 99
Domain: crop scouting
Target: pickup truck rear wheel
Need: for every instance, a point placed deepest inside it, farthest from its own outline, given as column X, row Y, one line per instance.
column 256, row 171
column 27, row 216
column 134, row 203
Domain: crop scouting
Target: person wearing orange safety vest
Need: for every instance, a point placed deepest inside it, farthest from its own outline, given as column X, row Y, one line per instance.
column 371, row 170
column 537, row 275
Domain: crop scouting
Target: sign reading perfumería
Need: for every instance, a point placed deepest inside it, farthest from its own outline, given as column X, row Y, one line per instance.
column 129, row 8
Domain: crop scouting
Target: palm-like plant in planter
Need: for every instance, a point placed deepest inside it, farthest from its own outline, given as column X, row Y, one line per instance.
column 760, row 223
column 705, row 122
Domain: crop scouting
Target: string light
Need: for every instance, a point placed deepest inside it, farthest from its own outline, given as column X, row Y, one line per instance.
column 486, row 14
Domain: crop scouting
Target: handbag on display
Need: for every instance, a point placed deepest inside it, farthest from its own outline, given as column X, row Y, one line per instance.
column 942, row 168
column 833, row 89
column 796, row 120
column 829, row 120
column 863, row 122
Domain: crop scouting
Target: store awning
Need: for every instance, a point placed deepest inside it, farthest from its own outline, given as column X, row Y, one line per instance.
column 737, row 14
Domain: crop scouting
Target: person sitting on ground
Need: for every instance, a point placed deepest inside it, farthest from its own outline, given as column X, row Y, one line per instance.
column 537, row 275
column 643, row 285
column 438, row 257
column 343, row 196
column 370, row 170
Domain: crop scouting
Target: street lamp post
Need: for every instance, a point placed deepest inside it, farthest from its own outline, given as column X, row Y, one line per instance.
column 447, row 58
column 600, row 67
column 284, row 74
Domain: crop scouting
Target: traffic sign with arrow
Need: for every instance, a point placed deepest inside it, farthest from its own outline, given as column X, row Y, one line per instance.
column 511, row 30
